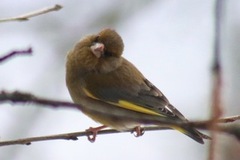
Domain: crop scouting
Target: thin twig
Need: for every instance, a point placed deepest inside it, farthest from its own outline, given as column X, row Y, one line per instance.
column 65, row 136
column 217, row 79
column 13, row 53
column 18, row 97
column 26, row 16
column 233, row 130
column 228, row 119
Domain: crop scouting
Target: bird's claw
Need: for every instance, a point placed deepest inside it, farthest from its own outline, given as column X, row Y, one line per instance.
column 138, row 131
column 92, row 133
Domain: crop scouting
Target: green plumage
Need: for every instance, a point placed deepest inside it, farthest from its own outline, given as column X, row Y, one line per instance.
column 113, row 91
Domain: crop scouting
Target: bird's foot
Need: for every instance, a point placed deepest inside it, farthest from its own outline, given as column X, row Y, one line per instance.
column 92, row 132
column 138, row 131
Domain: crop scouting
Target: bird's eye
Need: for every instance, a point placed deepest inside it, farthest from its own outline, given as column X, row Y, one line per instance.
column 108, row 54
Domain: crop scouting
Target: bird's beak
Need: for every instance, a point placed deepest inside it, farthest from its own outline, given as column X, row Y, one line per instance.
column 97, row 49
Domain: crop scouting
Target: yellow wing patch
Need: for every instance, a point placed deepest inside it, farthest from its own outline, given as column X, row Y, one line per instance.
column 134, row 107
column 180, row 129
column 126, row 105
column 89, row 94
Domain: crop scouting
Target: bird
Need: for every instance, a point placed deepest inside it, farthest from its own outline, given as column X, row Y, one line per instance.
column 113, row 92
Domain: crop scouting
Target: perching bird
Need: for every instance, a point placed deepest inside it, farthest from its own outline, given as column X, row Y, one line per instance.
column 113, row 92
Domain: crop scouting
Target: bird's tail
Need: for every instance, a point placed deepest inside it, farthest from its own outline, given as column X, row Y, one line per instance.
column 192, row 133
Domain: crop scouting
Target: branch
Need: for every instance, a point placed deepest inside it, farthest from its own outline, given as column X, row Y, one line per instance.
column 217, row 78
column 13, row 53
column 26, row 16
column 18, row 97
column 233, row 130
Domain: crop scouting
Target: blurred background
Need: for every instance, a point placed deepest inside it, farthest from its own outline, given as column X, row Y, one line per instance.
column 170, row 41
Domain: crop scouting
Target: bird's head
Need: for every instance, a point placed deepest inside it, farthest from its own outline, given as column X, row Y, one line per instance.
column 99, row 52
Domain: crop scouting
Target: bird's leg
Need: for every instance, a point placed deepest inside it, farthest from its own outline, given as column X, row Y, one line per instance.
column 92, row 132
column 138, row 131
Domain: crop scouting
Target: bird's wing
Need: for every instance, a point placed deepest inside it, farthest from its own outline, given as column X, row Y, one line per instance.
column 160, row 96
column 144, row 98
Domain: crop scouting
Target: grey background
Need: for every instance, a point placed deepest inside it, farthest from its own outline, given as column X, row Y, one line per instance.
column 170, row 41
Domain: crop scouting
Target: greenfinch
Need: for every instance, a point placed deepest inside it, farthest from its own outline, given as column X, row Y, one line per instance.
column 113, row 92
